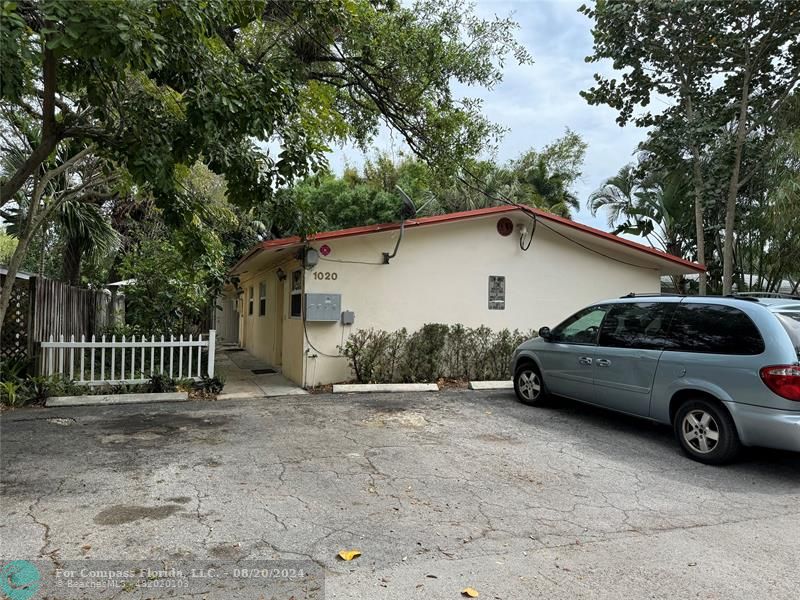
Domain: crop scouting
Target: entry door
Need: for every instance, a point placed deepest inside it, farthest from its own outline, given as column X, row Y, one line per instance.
column 278, row 319
column 567, row 357
column 626, row 358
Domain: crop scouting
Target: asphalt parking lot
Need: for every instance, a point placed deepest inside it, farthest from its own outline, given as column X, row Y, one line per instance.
column 439, row 492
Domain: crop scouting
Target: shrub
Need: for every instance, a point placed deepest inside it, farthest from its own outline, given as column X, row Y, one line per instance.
column 424, row 352
column 387, row 365
column 363, row 349
column 433, row 352
column 13, row 369
column 161, row 383
column 184, row 385
column 212, row 385
column 41, row 387
column 9, row 393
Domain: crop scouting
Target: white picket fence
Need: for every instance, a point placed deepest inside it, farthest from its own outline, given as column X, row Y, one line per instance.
column 85, row 361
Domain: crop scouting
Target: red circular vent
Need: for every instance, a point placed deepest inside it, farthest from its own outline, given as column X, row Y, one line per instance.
column 505, row 227
column 324, row 249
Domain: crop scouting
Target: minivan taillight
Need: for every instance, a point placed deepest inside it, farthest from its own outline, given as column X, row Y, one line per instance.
column 784, row 380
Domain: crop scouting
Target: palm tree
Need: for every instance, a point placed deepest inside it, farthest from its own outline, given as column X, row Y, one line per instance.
column 617, row 195
column 548, row 190
column 657, row 207
column 87, row 233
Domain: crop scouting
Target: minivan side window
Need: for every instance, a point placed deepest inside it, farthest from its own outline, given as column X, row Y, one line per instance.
column 713, row 329
column 641, row 325
column 580, row 328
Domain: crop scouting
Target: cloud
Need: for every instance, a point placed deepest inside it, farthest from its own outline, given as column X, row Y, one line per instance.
column 537, row 102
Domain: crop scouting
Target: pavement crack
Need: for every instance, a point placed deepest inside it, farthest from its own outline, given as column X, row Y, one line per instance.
column 274, row 515
column 201, row 518
column 52, row 554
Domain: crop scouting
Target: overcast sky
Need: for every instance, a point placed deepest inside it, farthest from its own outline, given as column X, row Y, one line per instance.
column 537, row 102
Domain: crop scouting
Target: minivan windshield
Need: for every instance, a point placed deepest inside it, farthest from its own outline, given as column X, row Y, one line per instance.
column 791, row 323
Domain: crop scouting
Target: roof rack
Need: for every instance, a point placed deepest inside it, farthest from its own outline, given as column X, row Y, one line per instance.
column 780, row 295
column 747, row 297
column 651, row 294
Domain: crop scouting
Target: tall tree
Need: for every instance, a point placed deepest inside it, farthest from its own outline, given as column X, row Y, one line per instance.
column 155, row 86
column 724, row 64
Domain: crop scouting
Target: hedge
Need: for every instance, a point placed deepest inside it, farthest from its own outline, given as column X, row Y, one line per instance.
column 434, row 352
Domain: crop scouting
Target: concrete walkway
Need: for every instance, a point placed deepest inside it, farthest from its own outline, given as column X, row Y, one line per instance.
column 237, row 366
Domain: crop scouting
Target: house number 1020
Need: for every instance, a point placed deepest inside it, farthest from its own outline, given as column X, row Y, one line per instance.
column 326, row 275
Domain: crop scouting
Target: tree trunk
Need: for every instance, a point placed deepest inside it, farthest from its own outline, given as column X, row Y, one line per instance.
column 51, row 133
column 28, row 168
column 42, row 246
column 697, row 180
column 34, row 221
column 71, row 263
column 699, row 227
column 733, row 191
column 26, row 233
column 49, row 141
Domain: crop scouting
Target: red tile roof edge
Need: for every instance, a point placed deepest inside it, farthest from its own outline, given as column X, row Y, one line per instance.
column 469, row 214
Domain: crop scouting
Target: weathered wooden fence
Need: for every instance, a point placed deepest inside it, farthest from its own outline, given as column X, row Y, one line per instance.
column 42, row 309
column 108, row 361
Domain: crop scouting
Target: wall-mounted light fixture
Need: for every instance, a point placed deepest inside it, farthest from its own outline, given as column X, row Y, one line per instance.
column 281, row 274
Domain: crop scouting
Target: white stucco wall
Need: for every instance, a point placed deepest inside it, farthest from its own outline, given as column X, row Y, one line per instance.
column 258, row 334
column 441, row 274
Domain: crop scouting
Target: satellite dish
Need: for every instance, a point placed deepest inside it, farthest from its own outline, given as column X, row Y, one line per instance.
column 408, row 210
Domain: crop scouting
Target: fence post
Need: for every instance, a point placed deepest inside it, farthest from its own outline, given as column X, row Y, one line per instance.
column 212, row 340
column 37, row 362
column 50, row 362
column 72, row 359
column 61, row 353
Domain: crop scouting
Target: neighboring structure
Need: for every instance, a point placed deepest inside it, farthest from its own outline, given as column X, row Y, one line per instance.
column 299, row 301
column 752, row 283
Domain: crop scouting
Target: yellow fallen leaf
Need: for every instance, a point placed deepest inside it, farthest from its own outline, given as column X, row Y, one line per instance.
column 470, row 593
column 349, row 554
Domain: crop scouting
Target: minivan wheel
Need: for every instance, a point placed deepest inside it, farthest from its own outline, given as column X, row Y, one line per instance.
column 528, row 384
column 706, row 432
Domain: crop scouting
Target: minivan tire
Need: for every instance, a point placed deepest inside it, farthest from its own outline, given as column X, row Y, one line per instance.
column 697, row 422
column 526, row 379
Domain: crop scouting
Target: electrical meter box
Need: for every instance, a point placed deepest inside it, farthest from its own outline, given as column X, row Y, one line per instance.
column 323, row 307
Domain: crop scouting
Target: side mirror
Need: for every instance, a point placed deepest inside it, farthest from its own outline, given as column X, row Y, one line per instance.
column 544, row 333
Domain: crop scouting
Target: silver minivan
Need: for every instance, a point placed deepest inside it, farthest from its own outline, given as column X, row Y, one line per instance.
column 723, row 371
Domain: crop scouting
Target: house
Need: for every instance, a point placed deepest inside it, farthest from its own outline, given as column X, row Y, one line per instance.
column 503, row 267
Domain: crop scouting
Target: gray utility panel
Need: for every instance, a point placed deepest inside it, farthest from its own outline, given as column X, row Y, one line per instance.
column 323, row 307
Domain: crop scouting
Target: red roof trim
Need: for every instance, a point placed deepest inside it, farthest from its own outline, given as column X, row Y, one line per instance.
column 469, row 214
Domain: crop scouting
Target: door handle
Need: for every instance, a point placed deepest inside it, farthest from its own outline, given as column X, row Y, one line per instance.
column 584, row 360
column 603, row 362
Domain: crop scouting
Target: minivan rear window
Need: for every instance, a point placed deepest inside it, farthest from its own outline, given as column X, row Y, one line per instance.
column 713, row 329
column 791, row 323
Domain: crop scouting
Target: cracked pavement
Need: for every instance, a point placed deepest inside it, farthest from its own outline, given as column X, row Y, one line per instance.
column 438, row 491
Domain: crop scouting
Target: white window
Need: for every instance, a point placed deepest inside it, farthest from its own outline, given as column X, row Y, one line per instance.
column 262, row 299
column 297, row 294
